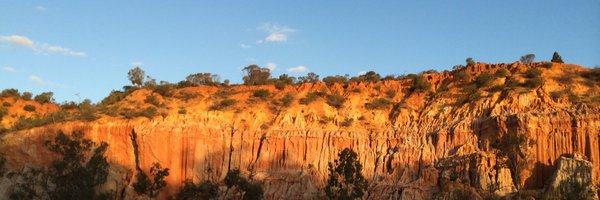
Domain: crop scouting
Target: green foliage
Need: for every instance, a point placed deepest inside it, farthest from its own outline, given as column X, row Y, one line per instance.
column 345, row 177
column 533, row 73
column 114, row 97
column 526, row 59
column 151, row 99
column 442, row 88
column 223, row 104
column 26, row 123
column 191, row 191
column 3, row 112
column 420, row 84
column 593, row 74
column 310, row 97
column 483, row 80
column 251, row 190
column 330, row 80
column 165, row 89
column 29, row 108
column 26, row 96
column 556, row 58
column 546, row 65
column 500, row 73
column 45, row 97
column 378, row 104
column 370, row 76
column 186, row 96
column 136, row 76
column 82, row 167
column 261, row 93
column 390, row 93
column 256, row 75
column 203, row 79
column 462, row 76
column 11, row 92
column 144, row 185
column 6, row 104
column 283, row 81
column 533, row 83
column 287, row 99
column 470, row 61
column 336, row 100
column 87, row 111
column 311, row 77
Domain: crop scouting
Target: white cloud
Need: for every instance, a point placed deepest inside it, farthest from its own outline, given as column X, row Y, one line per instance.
column 40, row 8
column 276, row 33
column 36, row 79
column 8, row 69
column 245, row 46
column 63, row 50
column 297, row 69
column 17, row 40
column 39, row 47
column 362, row 72
column 137, row 64
column 271, row 66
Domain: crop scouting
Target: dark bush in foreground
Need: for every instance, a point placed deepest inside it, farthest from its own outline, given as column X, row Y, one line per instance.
column 250, row 190
column 191, row 191
column 151, row 187
column 345, row 177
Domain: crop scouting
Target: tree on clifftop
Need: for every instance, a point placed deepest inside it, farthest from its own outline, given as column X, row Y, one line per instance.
column 529, row 58
column 256, row 75
column 136, row 76
column 556, row 58
column 345, row 177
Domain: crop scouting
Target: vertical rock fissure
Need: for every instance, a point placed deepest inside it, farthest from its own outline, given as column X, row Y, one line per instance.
column 230, row 148
column 134, row 143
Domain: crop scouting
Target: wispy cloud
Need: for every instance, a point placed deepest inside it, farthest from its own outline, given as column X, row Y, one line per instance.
column 36, row 79
column 362, row 72
column 271, row 66
column 137, row 64
column 297, row 69
column 20, row 40
column 40, row 8
column 245, row 46
column 17, row 40
column 8, row 69
column 276, row 33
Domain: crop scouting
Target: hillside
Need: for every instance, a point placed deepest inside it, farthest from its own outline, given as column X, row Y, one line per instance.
column 417, row 136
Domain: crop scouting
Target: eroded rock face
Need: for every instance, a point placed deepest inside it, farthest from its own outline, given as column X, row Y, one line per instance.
column 572, row 178
column 407, row 151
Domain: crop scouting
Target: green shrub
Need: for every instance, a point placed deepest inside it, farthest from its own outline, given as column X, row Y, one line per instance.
column 11, row 93
column 556, row 58
column 442, row 88
column 262, row 93
column 329, row 80
column 379, row 104
column 501, row 73
column 593, row 74
column 533, row 82
column 29, row 108
column 533, row 73
column 420, row 84
column 151, row 99
column 87, row 111
column 3, row 112
column 251, row 190
column 114, row 97
column 462, row 76
column 483, row 80
column 69, row 105
column 310, row 97
column 45, row 97
column 165, row 89
column 345, row 177
column 546, row 65
column 223, row 104
column 287, row 99
column 27, row 123
column 496, row 88
column 390, row 93
column 149, row 112
column 336, row 100
column 6, row 104
column 26, row 96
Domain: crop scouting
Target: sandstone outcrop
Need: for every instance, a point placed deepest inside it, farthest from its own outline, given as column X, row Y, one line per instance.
column 409, row 151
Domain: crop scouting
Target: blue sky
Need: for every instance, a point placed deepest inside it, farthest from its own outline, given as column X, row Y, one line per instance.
column 86, row 47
